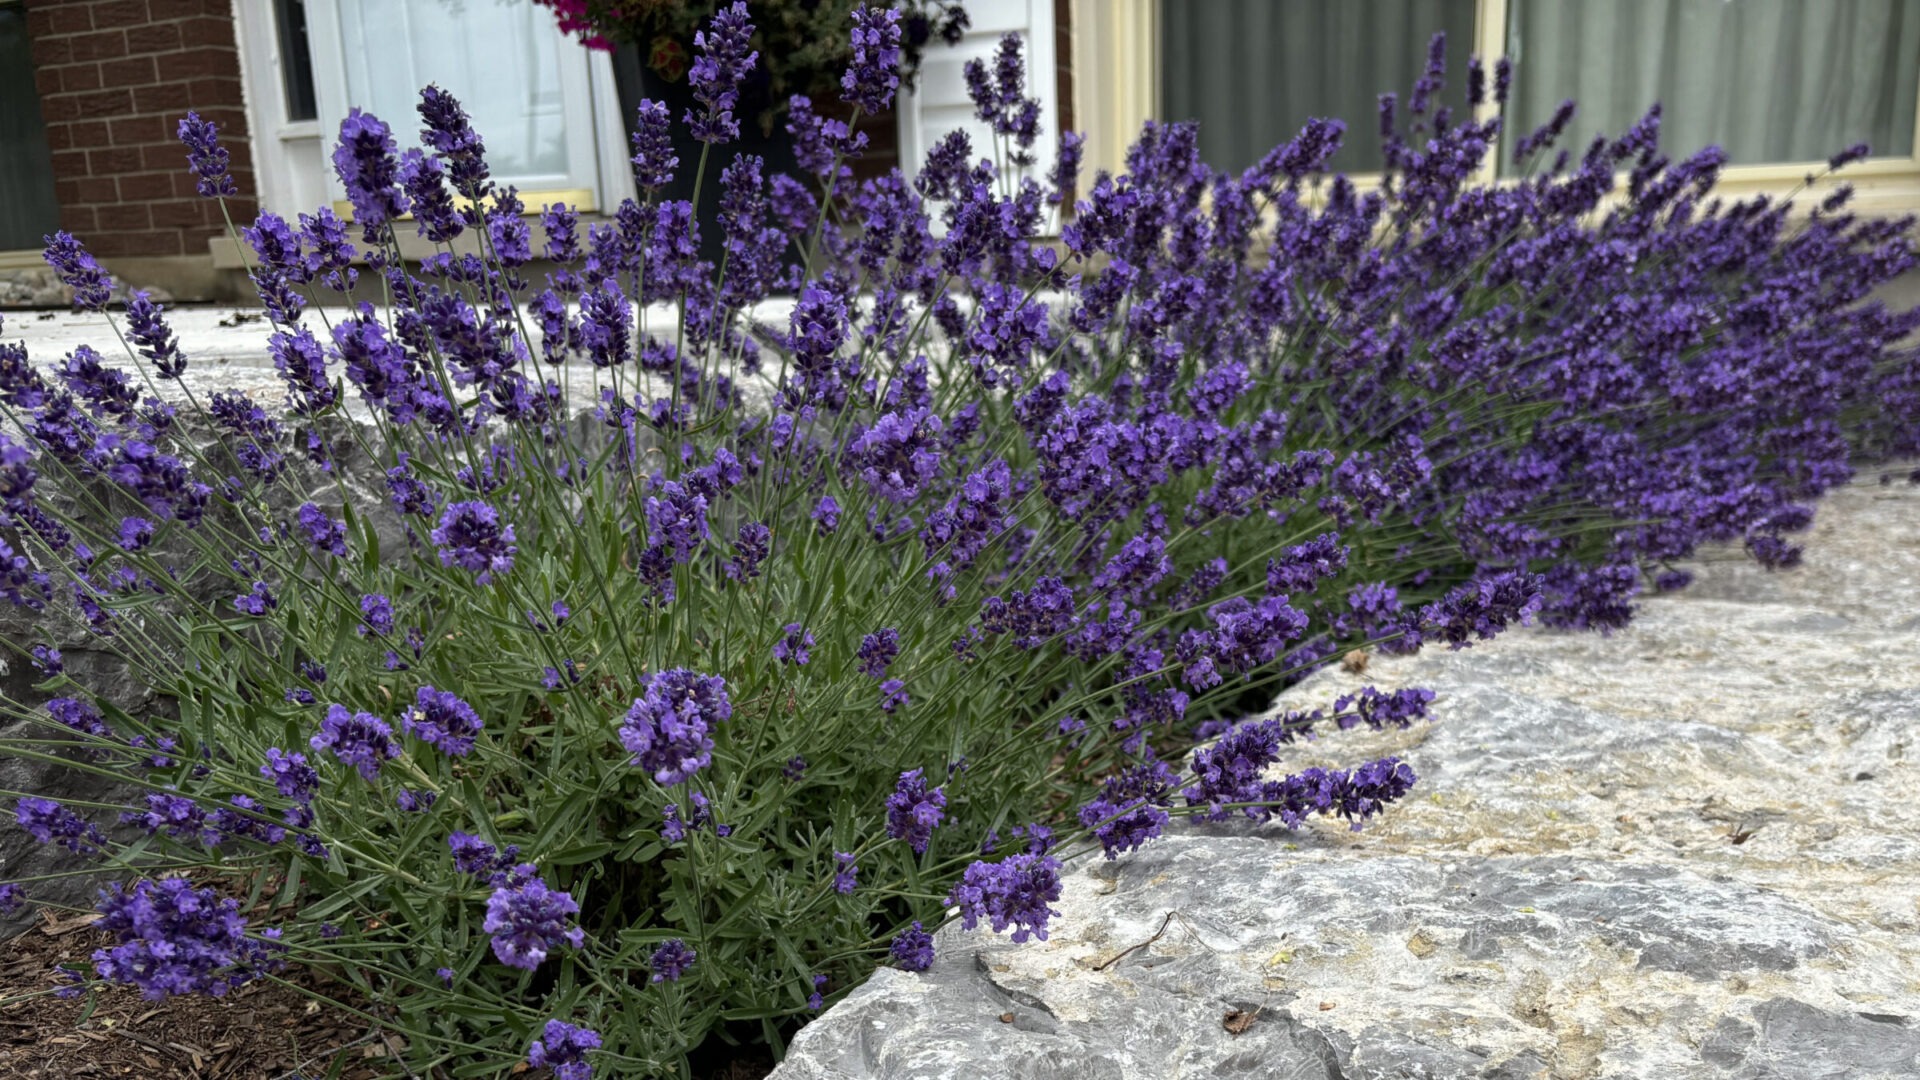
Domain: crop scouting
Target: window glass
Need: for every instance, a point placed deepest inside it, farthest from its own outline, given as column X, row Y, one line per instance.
column 501, row 59
column 1253, row 71
column 1767, row 80
column 28, row 210
column 296, row 59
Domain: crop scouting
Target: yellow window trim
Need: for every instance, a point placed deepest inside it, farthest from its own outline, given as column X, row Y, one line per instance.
column 581, row 200
column 1116, row 89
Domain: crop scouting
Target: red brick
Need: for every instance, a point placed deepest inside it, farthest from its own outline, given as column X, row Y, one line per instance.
column 121, row 13
column 59, row 19
column 111, row 244
column 59, row 136
column 134, row 71
column 188, row 213
column 50, row 50
column 87, row 133
column 114, row 161
column 75, row 218
column 206, row 92
column 161, row 10
column 70, row 164
column 163, row 157
column 95, row 190
column 195, row 61
column 46, row 81
column 140, row 130
column 153, row 38
column 169, row 98
column 207, row 30
column 99, row 104
column 99, row 45
column 123, row 216
column 75, row 78
column 146, row 187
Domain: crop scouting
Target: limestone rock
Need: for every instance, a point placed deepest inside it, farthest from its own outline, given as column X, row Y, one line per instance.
column 1684, row 850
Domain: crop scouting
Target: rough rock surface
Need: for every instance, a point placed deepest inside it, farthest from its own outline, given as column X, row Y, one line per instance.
column 1687, row 850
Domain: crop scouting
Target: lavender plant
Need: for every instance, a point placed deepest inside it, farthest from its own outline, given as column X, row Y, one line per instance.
column 590, row 736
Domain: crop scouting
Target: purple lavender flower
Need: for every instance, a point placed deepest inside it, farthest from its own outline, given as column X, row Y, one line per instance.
column 172, row 938
column 654, row 161
column 364, row 161
column 408, row 496
column 753, row 544
column 433, row 212
column 816, row 1001
column 564, row 1048
column 874, row 72
column 528, row 920
column 676, row 520
column 48, row 660
column 894, row 696
column 912, row 949
column 206, row 157
column 415, row 802
column 1482, row 609
column 325, row 535
column 177, row 815
column 794, row 645
column 447, row 129
column 80, row 716
column 441, row 720
column 12, row 896
column 845, row 873
column 302, row 364
column 913, row 812
column 147, row 330
column 671, row 960
column 78, row 271
column 376, row 616
column 291, row 775
column 877, row 652
column 1014, row 892
column 1131, row 807
column 724, row 60
column 826, row 515
column 51, row 823
column 669, row 728
column 471, row 537
column 472, row 855
column 257, row 601
column 359, row 739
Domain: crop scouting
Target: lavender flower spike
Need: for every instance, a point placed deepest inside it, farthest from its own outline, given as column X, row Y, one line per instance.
column 78, row 271
column 365, row 163
column 207, row 157
column 874, row 74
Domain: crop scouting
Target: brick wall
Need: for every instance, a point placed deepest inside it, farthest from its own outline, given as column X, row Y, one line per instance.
column 115, row 77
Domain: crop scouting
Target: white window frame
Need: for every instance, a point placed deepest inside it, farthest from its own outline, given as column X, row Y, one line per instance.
column 1116, row 80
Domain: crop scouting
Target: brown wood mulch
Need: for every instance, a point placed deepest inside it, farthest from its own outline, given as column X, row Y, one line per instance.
column 264, row 1031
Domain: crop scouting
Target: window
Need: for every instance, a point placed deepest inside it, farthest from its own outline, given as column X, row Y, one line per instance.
column 296, row 59
column 1252, row 71
column 526, row 86
column 28, row 210
column 1769, row 81
column 1780, row 84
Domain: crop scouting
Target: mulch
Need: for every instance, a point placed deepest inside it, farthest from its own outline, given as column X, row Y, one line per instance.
column 265, row 1031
